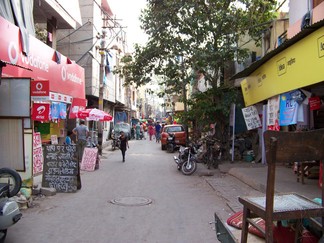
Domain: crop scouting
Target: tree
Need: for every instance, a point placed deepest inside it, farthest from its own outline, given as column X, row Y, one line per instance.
column 190, row 37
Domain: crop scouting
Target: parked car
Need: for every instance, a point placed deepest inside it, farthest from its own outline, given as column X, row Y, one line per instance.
column 178, row 130
column 122, row 126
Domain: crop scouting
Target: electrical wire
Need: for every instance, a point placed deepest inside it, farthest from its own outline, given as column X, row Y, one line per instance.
column 74, row 31
column 86, row 52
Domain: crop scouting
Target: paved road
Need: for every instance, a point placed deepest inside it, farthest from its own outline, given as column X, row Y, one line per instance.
column 180, row 210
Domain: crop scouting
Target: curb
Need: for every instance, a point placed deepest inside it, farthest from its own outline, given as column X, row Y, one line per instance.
column 247, row 179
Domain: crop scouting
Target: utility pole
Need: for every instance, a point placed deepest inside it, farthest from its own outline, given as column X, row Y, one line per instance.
column 184, row 93
column 102, row 52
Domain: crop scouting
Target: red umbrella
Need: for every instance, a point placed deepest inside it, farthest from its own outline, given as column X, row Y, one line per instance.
column 94, row 115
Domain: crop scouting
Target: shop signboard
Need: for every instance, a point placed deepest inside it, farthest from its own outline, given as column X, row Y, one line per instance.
column 65, row 77
column 40, row 112
column 297, row 66
column 39, row 90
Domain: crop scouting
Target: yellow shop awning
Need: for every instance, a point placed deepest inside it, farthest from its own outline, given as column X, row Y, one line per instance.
column 297, row 63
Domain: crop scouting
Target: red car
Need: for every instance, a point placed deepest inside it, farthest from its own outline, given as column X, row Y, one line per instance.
column 178, row 130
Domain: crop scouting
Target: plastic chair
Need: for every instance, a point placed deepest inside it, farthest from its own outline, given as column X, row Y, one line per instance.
column 284, row 147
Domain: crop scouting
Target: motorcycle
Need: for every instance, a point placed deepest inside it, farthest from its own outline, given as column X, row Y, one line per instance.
column 10, row 184
column 186, row 159
column 170, row 143
column 213, row 153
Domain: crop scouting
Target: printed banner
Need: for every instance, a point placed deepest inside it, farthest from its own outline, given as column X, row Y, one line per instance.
column 55, row 110
column 62, row 111
column 273, row 110
column 77, row 105
column 37, row 153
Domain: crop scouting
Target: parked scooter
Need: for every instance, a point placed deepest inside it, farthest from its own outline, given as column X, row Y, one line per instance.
column 10, row 184
column 170, row 143
column 186, row 159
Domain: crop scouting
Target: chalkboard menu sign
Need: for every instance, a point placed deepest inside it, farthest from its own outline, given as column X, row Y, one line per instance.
column 60, row 167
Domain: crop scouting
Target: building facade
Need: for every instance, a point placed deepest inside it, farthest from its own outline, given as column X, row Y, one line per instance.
column 98, row 46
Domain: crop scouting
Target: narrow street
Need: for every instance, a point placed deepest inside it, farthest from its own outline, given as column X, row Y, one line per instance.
column 145, row 199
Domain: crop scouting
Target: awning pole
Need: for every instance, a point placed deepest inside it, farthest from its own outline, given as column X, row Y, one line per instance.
column 264, row 128
column 233, row 136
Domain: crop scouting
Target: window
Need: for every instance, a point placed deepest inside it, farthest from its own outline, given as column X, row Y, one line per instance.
column 174, row 129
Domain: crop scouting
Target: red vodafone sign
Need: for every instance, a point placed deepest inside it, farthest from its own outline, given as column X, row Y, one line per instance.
column 65, row 77
column 40, row 112
column 39, row 88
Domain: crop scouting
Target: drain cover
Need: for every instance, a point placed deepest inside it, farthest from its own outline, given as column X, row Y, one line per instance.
column 131, row 201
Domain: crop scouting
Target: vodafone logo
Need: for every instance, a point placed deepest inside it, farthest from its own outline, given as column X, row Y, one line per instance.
column 73, row 77
column 30, row 60
column 63, row 73
column 41, row 110
column 39, row 86
column 13, row 53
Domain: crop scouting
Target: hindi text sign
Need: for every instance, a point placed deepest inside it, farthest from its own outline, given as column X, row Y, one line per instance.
column 37, row 153
column 89, row 159
column 60, row 168
column 251, row 117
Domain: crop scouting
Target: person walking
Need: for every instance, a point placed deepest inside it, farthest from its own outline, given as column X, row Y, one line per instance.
column 150, row 131
column 138, row 131
column 158, row 131
column 81, row 132
column 123, row 144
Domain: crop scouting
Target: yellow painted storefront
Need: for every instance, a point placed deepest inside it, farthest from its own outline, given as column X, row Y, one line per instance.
column 299, row 65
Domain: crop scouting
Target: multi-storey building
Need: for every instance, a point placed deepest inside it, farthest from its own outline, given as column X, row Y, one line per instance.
column 98, row 46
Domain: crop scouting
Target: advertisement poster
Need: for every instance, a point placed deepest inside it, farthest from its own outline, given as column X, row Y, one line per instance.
column 289, row 103
column 314, row 103
column 55, row 110
column 62, row 114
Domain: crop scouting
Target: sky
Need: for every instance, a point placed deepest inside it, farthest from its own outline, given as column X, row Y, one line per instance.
column 127, row 13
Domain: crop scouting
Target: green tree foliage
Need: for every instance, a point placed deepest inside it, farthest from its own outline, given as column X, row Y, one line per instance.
column 187, row 37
